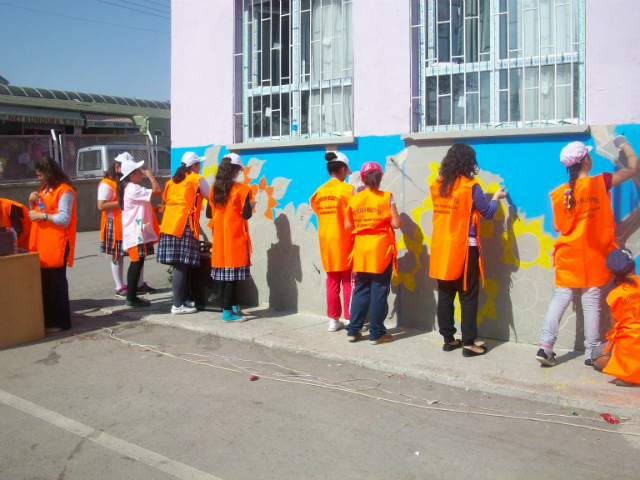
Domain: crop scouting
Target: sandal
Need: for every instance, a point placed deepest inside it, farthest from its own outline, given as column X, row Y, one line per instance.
column 467, row 352
column 449, row 347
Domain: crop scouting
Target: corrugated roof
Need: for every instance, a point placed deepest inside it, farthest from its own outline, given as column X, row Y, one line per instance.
column 82, row 102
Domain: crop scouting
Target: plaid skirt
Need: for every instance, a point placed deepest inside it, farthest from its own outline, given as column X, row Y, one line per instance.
column 184, row 249
column 141, row 250
column 106, row 245
column 230, row 274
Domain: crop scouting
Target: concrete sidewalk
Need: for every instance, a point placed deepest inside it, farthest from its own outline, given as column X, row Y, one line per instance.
column 508, row 369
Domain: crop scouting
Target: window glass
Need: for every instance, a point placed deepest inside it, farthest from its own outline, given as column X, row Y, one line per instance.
column 89, row 161
column 496, row 63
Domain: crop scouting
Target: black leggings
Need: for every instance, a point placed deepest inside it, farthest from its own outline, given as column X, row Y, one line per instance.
column 55, row 295
column 133, row 275
column 447, row 290
column 229, row 294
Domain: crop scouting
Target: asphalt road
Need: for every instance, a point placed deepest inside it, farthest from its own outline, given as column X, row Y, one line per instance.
column 76, row 408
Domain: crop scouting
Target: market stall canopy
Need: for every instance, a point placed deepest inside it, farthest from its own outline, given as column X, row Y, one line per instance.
column 40, row 116
column 108, row 121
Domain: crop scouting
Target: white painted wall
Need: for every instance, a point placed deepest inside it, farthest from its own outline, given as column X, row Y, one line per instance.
column 202, row 67
column 201, row 72
column 382, row 83
column 613, row 62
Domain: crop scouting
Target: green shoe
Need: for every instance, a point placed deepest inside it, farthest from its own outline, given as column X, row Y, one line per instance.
column 230, row 316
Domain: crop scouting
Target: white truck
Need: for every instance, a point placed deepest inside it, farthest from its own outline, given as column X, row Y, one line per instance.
column 94, row 161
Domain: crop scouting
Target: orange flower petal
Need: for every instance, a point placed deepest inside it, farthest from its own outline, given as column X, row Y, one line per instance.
column 269, row 191
column 269, row 214
column 263, row 183
column 272, row 202
column 254, row 190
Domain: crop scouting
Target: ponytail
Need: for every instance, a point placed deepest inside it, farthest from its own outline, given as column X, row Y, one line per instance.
column 180, row 174
column 120, row 186
column 574, row 172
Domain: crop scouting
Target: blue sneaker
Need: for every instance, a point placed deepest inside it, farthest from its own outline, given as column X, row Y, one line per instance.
column 230, row 316
column 237, row 311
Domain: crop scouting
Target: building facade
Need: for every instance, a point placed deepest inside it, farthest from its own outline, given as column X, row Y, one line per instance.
column 399, row 81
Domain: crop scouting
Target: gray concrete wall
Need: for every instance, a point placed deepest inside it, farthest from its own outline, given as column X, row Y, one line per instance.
column 87, row 211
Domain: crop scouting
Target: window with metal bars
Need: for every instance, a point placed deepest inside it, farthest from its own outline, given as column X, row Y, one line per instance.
column 496, row 63
column 293, row 70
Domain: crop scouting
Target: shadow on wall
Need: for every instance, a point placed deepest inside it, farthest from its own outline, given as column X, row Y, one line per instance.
column 284, row 270
column 495, row 312
column 415, row 309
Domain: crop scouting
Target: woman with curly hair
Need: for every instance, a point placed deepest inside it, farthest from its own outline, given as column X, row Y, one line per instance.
column 231, row 252
column 456, row 261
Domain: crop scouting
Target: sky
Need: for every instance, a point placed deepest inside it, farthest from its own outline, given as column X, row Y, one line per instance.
column 42, row 50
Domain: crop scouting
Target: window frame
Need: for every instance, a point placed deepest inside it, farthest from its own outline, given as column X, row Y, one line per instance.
column 246, row 76
column 424, row 66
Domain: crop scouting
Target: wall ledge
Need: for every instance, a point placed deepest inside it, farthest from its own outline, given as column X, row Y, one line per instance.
column 496, row 132
column 310, row 142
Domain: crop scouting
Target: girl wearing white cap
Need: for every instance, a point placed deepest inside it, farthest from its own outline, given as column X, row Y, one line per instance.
column 111, row 225
column 583, row 216
column 180, row 230
column 329, row 203
column 139, row 225
column 231, row 251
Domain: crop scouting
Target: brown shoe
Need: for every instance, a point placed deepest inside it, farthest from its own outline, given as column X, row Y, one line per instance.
column 386, row 338
column 355, row 338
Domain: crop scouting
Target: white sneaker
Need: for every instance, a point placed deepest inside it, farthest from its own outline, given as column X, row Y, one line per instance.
column 190, row 303
column 182, row 310
column 335, row 325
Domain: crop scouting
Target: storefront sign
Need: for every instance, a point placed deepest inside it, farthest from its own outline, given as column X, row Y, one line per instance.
column 41, row 120
column 103, row 124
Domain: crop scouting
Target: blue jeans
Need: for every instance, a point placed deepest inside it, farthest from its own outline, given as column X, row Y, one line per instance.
column 371, row 292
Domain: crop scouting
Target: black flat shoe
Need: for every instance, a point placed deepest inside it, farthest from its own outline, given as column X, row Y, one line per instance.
column 470, row 353
column 449, row 347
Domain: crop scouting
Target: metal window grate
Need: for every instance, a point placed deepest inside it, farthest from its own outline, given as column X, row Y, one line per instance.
column 293, row 70
column 479, row 64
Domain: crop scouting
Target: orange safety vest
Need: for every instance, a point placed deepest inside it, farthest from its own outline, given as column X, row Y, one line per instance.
column 230, row 232
column 624, row 364
column 49, row 239
column 117, row 216
column 330, row 205
column 5, row 220
column 374, row 243
column 586, row 234
column 183, row 202
column 450, row 238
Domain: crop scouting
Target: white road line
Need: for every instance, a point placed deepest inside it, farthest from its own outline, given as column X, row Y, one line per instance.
column 155, row 460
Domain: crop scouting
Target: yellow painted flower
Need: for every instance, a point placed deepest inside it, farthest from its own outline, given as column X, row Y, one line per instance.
column 209, row 170
column 521, row 227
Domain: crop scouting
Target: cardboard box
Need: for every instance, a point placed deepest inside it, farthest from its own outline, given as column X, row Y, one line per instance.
column 21, row 313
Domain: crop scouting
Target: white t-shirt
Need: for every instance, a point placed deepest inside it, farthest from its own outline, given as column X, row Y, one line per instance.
column 106, row 193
